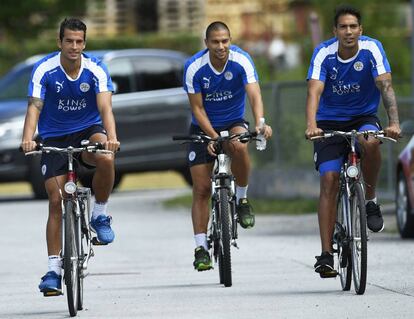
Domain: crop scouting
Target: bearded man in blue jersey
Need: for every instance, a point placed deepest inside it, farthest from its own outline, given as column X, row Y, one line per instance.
column 347, row 76
column 70, row 99
column 217, row 80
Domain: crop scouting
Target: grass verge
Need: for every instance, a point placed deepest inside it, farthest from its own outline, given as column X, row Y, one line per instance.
column 261, row 206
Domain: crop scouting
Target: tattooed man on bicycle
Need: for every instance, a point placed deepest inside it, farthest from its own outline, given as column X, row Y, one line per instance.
column 347, row 76
column 216, row 80
column 70, row 101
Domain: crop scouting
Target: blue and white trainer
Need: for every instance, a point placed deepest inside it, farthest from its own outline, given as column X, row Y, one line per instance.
column 51, row 284
column 102, row 227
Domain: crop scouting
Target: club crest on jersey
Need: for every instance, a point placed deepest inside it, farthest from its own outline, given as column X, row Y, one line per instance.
column 358, row 66
column 84, row 87
column 228, row 75
column 59, row 86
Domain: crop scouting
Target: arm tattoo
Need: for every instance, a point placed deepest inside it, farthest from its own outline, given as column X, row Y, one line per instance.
column 389, row 100
column 36, row 102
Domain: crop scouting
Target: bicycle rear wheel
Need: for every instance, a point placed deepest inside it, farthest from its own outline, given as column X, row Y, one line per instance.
column 359, row 236
column 341, row 239
column 225, row 236
column 71, row 257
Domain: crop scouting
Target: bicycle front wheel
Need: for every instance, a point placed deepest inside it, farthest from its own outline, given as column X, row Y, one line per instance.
column 341, row 239
column 71, row 256
column 359, row 239
column 225, row 238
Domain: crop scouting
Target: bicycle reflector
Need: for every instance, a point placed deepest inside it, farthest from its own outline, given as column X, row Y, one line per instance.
column 352, row 171
column 70, row 187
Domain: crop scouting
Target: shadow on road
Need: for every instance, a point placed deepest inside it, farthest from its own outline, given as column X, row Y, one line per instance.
column 17, row 198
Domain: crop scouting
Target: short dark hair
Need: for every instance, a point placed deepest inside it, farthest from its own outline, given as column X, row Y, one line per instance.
column 73, row 24
column 216, row 26
column 346, row 9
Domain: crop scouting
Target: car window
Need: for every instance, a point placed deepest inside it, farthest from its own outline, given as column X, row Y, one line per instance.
column 14, row 86
column 121, row 72
column 155, row 73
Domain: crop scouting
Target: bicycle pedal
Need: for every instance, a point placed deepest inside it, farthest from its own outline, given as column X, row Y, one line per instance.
column 96, row 242
column 328, row 274
column 52, row 293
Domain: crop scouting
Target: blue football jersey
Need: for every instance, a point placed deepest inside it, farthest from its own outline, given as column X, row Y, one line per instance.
column 350, row 89
column 69, row 104
column 223, row 92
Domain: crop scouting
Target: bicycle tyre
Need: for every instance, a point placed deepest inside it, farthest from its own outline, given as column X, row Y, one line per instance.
column 83, row 227
column 359, row 239
column 225, row 234
column 216, row 237
column 342, row 241
column 70, row 258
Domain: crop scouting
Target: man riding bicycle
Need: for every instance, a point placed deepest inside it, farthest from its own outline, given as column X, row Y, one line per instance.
column 216, row 80
column 346, row 77
column 70, row 101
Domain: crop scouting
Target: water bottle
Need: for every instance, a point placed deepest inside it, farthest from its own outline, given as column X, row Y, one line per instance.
column 261, row 140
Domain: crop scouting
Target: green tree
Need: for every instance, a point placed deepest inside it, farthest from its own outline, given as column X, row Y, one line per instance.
column 24, row 19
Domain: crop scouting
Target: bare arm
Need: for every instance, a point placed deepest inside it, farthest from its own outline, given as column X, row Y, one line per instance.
column 384, row 84
column 34, row 107
column 315, row 89
column 197, row 107
column 104, row 102
column 255, row 99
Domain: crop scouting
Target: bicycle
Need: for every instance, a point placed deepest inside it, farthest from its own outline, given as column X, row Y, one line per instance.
column 222, row 233
column 77, row 237
column 350, row 236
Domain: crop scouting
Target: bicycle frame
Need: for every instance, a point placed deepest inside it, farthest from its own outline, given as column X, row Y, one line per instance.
column 78, row 195
column 222, row 178
column 77, row 246
column 350, row 233
column 222, row 231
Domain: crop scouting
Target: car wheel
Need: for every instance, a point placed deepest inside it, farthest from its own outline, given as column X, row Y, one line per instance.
column 35, row 177
column 405, row 219
column 185, row 173
column 86, row 179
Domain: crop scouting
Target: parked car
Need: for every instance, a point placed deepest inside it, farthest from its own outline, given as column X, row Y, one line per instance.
column 405, row 184
column 149, row 105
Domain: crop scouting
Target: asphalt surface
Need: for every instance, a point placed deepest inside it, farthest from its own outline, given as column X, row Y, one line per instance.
column 147, row 272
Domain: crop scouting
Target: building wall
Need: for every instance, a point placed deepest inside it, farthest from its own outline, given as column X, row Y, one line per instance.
column 248, row 20
column 110, row 17
column 180, row 15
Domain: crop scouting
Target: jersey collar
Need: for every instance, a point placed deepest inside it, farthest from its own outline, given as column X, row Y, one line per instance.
column 80, row 70
column 213, row 68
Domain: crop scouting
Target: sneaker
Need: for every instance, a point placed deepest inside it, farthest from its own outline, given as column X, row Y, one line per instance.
column 374, row 217
column 324, row 265
column 246, row 216
column 202, row 259
column 51, row 284
column 102, row 227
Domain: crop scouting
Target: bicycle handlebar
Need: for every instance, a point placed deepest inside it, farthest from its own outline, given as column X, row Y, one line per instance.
column 202, row 138
column 94, row 148
column 377, row 134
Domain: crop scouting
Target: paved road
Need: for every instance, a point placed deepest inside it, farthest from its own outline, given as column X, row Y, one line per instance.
column 147, row 272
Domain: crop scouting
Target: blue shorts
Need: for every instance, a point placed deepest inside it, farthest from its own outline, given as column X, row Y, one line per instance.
column 56, row 164
column 197, row 152
column 330, row 154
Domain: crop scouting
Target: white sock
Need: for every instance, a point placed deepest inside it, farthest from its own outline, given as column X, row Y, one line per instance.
column 99, row 209
column 371, row 200
column 241, row 192
column 54, row 263
column 201, row 240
